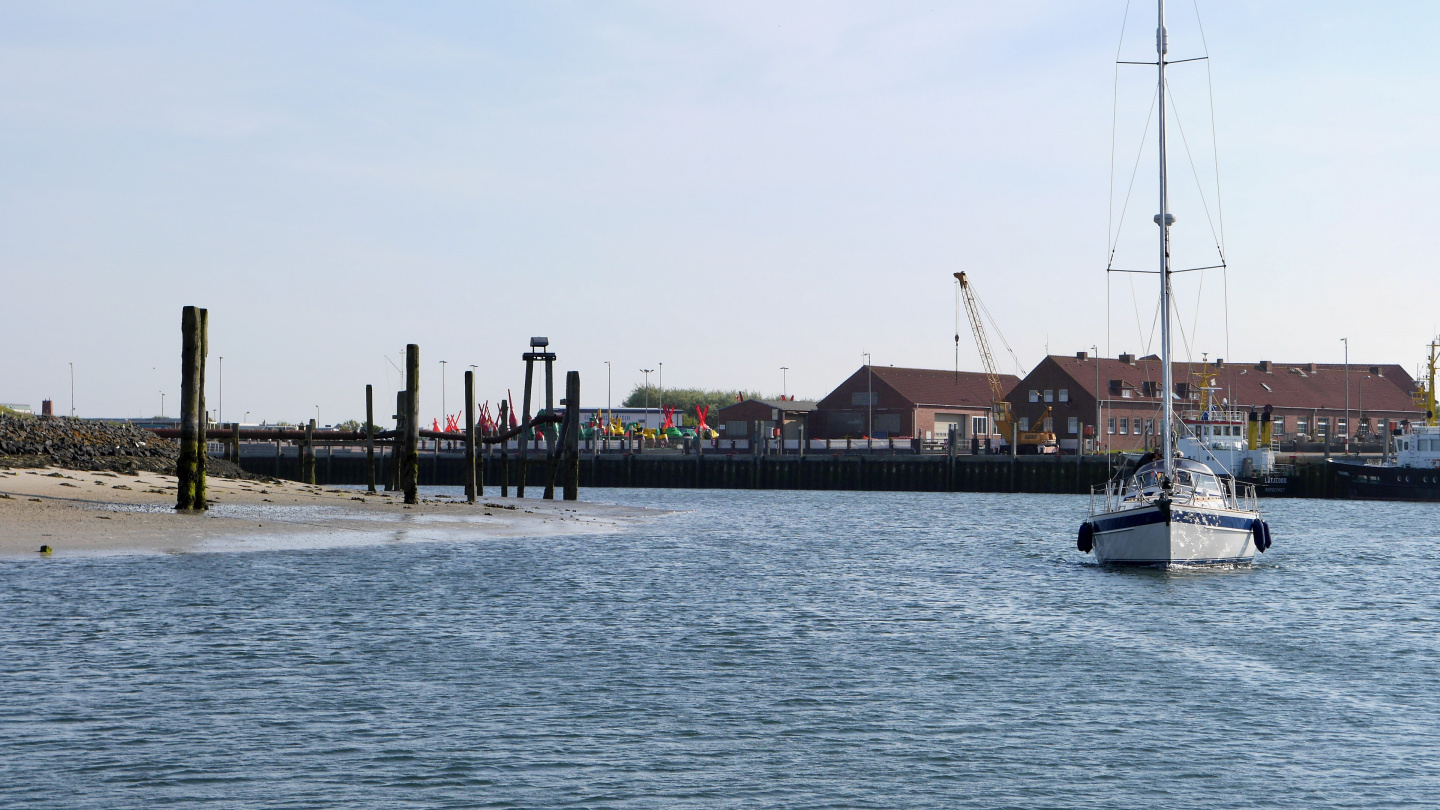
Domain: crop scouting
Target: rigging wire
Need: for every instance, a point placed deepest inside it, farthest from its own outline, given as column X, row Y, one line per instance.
column 1114, row 125
column 1219, row 203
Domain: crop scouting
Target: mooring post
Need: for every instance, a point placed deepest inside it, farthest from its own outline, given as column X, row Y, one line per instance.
column 551, row 450
column 571, row 438
column 504, row 449
column 235, row 442
column 525, row 420
column 201, row 500
column 369, row 438
column 470, row 436
column 309, row 452
column 410, row 463
column 188, row 465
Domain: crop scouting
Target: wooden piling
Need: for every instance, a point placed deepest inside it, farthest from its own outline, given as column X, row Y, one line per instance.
column 525, row 420
column 369, row 438
column 307, row 453
column 410, row 459
column 235, row 442
column 505, row 449
column 189, row 468
column 571, row 439
column 470, row 436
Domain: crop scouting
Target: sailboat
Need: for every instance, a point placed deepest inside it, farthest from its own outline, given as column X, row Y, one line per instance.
column 1172, row 510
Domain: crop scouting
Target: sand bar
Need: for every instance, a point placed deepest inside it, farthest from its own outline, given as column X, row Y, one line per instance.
column 77, row 513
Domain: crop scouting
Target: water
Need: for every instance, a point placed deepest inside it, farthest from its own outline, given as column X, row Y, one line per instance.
column 764, row 649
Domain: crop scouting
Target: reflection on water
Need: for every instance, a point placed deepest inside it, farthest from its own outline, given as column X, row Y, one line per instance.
column 760, row 649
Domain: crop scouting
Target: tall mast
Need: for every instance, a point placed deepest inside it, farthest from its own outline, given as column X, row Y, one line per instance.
column 1163, row 219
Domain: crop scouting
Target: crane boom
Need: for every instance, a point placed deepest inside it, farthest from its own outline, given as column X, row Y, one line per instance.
column 972, row 311
column 1040, row 441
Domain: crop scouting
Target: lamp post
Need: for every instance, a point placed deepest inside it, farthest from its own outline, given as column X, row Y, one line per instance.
column 661, row 392
column 220, row 410
column 869, row 400
column 72, row 390
column 608, row 410
column 162, row 404
column 246, row 420
column 784, row 379
column 443, row 411
column 317, row 415
column 646, row 372
column 1348, row 431
column 1099, row 408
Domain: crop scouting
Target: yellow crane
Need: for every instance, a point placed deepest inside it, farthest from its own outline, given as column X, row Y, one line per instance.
column 1026, row 441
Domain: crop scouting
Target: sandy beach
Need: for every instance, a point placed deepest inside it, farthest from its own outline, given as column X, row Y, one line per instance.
column 76, row 512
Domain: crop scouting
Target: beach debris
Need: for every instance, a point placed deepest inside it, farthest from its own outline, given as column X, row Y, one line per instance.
column 45, row 549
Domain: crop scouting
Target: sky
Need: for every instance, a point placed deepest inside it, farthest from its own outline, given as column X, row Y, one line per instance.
column 722, row 188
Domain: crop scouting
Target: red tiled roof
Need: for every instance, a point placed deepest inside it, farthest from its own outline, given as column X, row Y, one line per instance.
column 1285, row 385
column 940, row 387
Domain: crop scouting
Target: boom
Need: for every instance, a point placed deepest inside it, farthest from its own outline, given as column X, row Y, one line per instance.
column 972, row 311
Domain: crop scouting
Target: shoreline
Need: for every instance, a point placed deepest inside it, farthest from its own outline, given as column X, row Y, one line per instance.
column 80, row 513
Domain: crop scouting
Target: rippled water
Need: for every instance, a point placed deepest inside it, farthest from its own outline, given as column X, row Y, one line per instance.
column 763, row 649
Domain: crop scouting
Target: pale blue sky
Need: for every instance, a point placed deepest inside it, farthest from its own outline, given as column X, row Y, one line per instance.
column 724, row 188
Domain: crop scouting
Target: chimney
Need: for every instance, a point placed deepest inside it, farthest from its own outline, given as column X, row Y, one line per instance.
column 1082, row 356
column 1127, row 359
column 1309, row 368
column 1219, row 362
column 1377, row 371
column 1265, row 366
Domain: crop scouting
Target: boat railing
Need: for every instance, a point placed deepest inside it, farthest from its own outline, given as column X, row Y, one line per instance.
column 1113, row 496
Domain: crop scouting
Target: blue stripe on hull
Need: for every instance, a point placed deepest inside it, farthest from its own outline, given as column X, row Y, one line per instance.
column 1147, row 515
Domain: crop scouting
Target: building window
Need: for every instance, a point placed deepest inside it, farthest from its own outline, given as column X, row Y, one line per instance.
column 1324, row 426
column 1049, row 395
column 1126, row 393
column 979, row 426
column 1277, row 426
column 1074, row 425
column 1049, row 424
column 1342, row 425
column 1064, row 394
column 1024, row 423
column 1124, row 426
column 1034, row 395
column 1149, row 427
column 1111, row 426
column 1302, row 425
column 862, row 398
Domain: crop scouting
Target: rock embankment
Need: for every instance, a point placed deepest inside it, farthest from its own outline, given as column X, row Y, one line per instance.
column 79, row 444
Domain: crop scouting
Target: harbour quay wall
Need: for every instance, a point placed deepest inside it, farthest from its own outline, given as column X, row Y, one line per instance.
column 899, row 473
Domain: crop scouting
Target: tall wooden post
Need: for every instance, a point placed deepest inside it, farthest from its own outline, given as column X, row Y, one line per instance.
column 525, row 420
column 190, row 466
column 470, row 436
column 397, row 444
column 235, row 442
column 571, row 438
column 551, row 451
column 410, row 461
column 202, row 502
column 308, row 453
column 505, row 449
column 369, row 438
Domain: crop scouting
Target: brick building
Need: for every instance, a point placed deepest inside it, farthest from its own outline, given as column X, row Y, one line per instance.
column 908, row 402
column 1122, row 397
column 738, row 421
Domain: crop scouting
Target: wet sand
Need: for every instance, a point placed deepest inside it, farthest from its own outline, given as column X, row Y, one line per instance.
column 77, row 512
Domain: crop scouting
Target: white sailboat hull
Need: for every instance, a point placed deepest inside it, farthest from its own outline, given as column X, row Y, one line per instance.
column 1190, row 536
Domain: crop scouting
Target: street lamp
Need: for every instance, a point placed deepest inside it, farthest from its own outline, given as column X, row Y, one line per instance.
column 784, row 379
column 220, row 412
column 1099, row 406
column 246, row 420
column 72, row 390
column 443, row 412
column 869, row 399
column 317, row 415
column 646, row 372
column 1348, row 431
column 607, row 402
column 661, row 392
column 162, row 404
